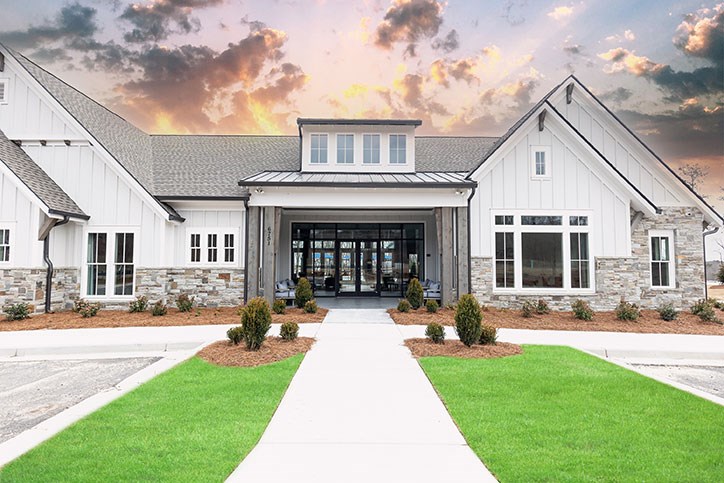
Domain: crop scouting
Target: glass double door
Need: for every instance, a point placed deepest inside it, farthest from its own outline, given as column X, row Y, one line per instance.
column 358, row 267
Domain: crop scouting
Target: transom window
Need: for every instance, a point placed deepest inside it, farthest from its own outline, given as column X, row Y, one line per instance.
column 540, row 161
column 110, row 267
column 211, row 246
column 542, row 252
column 398, row 149
column 371, row 149
column 345, row 148
column 4, row 245
column 662, row 259
column 319, row 149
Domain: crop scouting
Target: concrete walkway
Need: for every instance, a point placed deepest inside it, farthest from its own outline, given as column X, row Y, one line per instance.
column 360, row 409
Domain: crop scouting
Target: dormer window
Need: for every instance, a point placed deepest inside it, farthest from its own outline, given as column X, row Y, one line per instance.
column 345, row 148
column 540, row 161
column 371, row 148
column 319, row 149
column 398, row 149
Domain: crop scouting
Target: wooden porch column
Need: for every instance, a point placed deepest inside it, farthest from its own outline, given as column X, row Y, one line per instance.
column 446, row 234
column 463, row 241
column 253, row 261
column 272, row 223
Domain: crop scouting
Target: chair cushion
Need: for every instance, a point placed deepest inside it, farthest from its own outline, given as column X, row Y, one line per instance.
column 290, row 283
column 434, row 286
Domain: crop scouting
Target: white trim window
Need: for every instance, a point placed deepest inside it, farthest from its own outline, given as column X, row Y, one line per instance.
column 4, row 90
column 318, row 148
column 212, row 246
column 109, row 263
column 542, row 253
column 345, row 148
column 663, row 270
column 5, row 244
column 370, row 149
column 398, row 149
column 540, row 162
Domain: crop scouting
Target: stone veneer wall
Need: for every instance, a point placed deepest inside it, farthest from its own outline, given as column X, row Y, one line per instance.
column 627, row 277
column 28, row 285
column 211, row 287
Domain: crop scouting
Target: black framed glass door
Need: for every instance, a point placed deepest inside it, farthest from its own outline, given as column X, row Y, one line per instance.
column 358, row 267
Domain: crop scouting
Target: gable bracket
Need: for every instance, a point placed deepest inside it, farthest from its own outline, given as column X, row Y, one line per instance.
column 541, row 120
column 569, row 93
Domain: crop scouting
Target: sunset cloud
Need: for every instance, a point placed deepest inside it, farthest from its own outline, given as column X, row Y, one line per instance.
column 409, row 21
column 72, row 21
column 561, row 13
column 157, row 20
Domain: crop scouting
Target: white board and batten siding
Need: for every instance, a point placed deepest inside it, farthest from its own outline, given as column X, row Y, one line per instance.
column 207, row 217
column 22, row 217
column 576, row 185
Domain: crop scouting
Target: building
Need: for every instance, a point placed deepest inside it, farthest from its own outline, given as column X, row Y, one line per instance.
column 567, row 204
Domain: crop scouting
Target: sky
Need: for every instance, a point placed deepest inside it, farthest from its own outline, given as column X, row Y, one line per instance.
column 462, row 67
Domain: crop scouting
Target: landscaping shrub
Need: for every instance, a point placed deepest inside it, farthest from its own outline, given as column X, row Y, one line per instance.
column 528, row 309
column 159, row 309
column 86, row 309
column 18, row 311
column 311, row 307
column 627, row 311
column 581, row 310
column 289, row 331
column 303, row 293
column 404, row 306
column 668, row 312
column 279, row 306
column 138, row 305
column 435, row 332
column 488, row 335
column 415, row 293
column 542, row 307
column 184, row 303
column 704, row 308
column 432, row 306
column 468, row 318
column 720, row 274
column 255, row 322
column 451, row 306
column 235, row 335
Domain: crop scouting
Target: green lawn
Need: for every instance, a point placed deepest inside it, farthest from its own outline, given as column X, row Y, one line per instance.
column 195, row 422
column 556, row 414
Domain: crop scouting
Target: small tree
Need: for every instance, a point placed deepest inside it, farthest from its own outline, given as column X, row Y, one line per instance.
column 255, row 322
column 303, row 293
column 468, row 320
column 692, row 174
column 415, row 293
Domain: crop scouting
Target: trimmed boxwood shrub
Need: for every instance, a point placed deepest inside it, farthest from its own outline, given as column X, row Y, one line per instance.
column 668, row 312
column 289, row 331
column 184, row 303
column 404, row 306
column 255, row 322
column 488, row 335
column 159, row 309
column 279, row 306
column 415, row 293
column 19, row 311
column 138, row 305
column 435, row 332
column 432, row 306
column 468, row 318
column 311, row 307
column 303, row 293
column 581, row 310
column 235, row 335
column 627, row 311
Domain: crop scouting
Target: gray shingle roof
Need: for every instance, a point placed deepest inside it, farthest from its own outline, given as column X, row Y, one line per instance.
column 360, row 180
column 37, row 180
column 442, row 153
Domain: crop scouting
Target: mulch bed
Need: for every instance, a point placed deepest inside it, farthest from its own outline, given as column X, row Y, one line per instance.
column 455, row 348
column 648, row 323
column 224, row 353
column 120, row 318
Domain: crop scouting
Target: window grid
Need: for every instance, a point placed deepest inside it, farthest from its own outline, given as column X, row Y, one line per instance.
column 5, row 245
column 345, row 148
column 504, row 260
column 579, row 260
column 212, row 248
column 319, row 149
column 196, row 247
column 398, row 149
column 540, row 163
column 124, row 264
column 96, row 263
column 229, row 248
column 660, row 260
column 371, row 149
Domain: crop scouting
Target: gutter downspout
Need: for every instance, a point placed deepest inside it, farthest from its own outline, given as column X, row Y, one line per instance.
column 49, row 263
column 470, row 252
column 246, row 250
column 706, row 284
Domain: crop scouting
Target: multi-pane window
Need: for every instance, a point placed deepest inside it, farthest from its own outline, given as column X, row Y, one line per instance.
column 212, row 248
column 96, row 261
column 662, row 268
column 371, row 149
column 540, row 161
column 345, row 148
column 196, row 247
column 4, row 245
column 124, row 264
column 504, row 260
column 229, row 248
column 504, row 220
column 579, row 260
column 398, row 149
column 319, row 149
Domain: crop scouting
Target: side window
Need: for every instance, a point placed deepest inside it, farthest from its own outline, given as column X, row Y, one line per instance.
column 319, row 149
column 662, row 259
column 4, row 245
column 398, row 149
column 540, row 161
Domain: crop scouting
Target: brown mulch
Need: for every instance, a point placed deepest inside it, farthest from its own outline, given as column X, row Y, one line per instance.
column 224, row 353
column 455, row 348
column 121, row 318
column 648, row 323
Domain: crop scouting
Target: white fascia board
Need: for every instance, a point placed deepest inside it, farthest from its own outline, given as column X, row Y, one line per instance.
column 358, row 198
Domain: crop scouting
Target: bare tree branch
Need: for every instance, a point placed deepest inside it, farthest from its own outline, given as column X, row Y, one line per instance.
column 692, row 174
